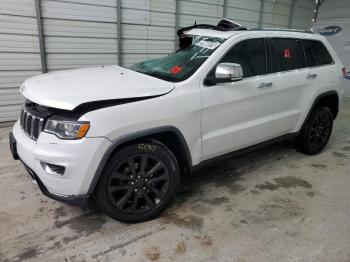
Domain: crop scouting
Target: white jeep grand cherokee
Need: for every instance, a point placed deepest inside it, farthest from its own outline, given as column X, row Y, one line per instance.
column 125, row 136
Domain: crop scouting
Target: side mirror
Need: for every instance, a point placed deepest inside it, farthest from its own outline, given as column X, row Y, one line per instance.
column 228, row 72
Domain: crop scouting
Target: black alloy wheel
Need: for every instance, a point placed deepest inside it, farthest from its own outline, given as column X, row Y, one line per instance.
column 139, row 182
column 315, row 136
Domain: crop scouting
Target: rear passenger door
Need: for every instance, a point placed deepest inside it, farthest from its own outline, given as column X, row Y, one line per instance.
column 287, row 65
column 302, row 69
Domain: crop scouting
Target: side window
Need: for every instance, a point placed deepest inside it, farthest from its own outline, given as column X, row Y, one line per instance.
column 316, row 53
column 250, row 54
column 286, row 54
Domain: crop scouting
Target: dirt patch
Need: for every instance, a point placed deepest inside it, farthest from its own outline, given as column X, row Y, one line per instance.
column 190, row 222
column 185, row 195
column 85, row 224
column 60, row 212
column 205, row 240
column 55, row 246
column 152, row 253
column 319, row 166
column 67, row 240
column 284, row 182
column 219, row 173
column 279, row 209
column 201, row 209
column 340, row 155
column 28, row 253
column 217, row 201
column 310, row 194
column 255, row 192
column 230, row 184
column 121, row 246
column 181, row 248
column 346, row 148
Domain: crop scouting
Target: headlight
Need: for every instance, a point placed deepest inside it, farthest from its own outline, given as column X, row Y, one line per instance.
column 66, row 129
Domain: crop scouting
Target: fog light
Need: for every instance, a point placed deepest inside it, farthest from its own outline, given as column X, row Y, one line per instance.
column 53, row 169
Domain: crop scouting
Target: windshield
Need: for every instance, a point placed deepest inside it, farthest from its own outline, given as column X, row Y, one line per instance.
column 182, row 64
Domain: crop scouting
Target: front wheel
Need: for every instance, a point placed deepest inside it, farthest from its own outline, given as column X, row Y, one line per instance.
column 138, row 182
column 317, row 131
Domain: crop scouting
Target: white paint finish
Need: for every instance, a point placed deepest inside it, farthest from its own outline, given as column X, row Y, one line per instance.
column 71, row 88
column 236, row 115
column 180, row 108
column 71, row 154
column 213, row 120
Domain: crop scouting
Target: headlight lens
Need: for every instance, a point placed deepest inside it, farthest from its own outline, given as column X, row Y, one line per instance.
column 67, row 129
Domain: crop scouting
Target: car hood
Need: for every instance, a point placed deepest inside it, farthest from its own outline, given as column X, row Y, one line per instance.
column 70, row 88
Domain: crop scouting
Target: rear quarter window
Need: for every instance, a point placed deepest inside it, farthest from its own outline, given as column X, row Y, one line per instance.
column 316, row 53
column 286, row 54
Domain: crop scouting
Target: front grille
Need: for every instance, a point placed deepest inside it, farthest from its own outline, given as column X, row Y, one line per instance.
column 31, row 123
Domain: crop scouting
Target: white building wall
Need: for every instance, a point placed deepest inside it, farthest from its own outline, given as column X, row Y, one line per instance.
column 337, row 13
column 19, row 53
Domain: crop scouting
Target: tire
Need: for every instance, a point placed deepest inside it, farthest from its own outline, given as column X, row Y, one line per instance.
column 316, row 133
column 138, row 182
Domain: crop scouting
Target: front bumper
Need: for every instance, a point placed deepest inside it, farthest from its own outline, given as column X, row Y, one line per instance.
column 79, row 157
column 80, row 200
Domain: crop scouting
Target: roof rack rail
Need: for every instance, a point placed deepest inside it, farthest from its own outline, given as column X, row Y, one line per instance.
column 223, row 25
column 282, row 30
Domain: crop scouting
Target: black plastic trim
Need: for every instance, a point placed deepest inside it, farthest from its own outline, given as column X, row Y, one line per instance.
column 243, row 151
column 13, row 146
column 94, row 105
column 316, row 101
column 134, row 136
column 84, row 108
column 74, row 200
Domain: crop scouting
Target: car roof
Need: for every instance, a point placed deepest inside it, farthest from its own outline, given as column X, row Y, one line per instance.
column 268, row 32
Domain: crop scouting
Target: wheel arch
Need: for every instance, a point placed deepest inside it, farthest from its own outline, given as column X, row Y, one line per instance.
column 168, row 135
column 330, row 99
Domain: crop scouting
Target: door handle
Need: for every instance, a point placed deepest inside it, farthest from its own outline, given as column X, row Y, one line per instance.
column 265, row 85
column 311, row 76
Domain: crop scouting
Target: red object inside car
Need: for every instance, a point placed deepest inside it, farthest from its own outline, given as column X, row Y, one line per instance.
column 175, row 70
column 287, row 53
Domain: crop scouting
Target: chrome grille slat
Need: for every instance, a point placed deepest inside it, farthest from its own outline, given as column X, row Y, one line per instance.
column 31, row 124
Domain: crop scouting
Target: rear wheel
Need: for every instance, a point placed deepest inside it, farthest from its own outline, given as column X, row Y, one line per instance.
column 317, row 131
column 139, row 182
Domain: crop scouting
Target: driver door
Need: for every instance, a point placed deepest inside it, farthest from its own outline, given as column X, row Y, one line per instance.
column 239, row 114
